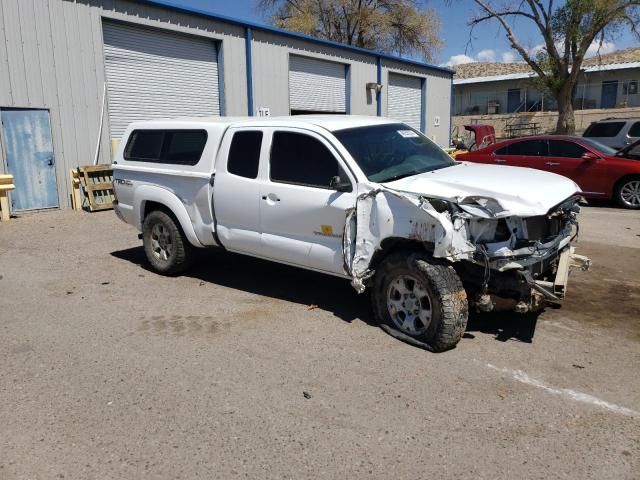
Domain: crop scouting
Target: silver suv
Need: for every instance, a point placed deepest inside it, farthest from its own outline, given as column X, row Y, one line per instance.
column 614, row 132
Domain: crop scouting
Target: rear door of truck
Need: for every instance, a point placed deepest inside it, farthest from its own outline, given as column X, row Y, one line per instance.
column 236, row 189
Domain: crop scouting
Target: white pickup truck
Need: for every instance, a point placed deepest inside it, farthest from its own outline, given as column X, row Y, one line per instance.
column 364, row 198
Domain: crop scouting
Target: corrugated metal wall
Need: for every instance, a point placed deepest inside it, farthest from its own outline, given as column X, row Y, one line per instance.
column 437, row 99
column 51, row 56
column 271, row 71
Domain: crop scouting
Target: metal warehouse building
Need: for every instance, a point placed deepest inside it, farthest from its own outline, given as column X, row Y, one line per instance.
column 73, row 74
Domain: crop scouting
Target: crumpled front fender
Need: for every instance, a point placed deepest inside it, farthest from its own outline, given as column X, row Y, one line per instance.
column 382, row 213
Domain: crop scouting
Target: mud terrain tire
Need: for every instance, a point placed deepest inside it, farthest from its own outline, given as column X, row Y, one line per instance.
column 406, row 284
column 165, row 245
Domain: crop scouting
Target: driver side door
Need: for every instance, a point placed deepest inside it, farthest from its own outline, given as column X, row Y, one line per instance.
column 565, row 158
column 302, row 216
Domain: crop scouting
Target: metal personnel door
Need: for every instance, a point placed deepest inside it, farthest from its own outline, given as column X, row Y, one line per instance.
column 405, row 99
column 513, row 100
column 30, row 159
column 609, row 94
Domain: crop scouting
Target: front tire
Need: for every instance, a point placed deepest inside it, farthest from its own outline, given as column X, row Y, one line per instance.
column 165, row 245
column 421, row 300
column 627, row 193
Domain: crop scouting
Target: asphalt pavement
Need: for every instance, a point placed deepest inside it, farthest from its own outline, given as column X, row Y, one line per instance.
column 248, row 369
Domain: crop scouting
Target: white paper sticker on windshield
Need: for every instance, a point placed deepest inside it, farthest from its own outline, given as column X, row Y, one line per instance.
column 408, row 133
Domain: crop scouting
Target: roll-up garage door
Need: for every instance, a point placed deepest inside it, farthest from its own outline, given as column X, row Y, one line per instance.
column 158, row 74
column 316, row 85
column 404, row 101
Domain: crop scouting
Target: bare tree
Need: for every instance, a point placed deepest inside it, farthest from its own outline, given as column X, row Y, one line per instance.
column 403, row 27
column 568, row 30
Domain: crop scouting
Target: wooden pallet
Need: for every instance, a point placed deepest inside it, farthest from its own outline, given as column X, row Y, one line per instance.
column 6, row 184
column 76, row 193
column 96, row 182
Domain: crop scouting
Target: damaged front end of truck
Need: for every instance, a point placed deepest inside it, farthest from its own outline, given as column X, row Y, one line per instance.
column 506, row 259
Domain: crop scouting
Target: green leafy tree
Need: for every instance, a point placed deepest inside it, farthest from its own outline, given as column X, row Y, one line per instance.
column 402, row 27
column 568, row 30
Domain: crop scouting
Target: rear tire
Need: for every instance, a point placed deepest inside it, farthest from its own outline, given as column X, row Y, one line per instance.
column 627, row 193
column 165, row 245
column 421, row 299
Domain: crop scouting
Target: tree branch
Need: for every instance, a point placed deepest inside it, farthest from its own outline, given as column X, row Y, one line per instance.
column 511, row 36
column 547, row 34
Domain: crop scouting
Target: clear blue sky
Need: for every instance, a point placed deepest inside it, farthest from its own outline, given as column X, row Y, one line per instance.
column 488, row 42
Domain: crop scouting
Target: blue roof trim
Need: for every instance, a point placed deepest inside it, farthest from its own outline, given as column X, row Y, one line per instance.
column 172, row 5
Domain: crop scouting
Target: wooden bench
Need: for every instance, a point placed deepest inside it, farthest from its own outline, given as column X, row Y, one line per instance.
column 6, row 184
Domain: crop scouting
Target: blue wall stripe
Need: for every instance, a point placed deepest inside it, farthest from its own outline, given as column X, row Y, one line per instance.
column 347, row 80
column 247, row 49
column 451, row 107
column 379, row 91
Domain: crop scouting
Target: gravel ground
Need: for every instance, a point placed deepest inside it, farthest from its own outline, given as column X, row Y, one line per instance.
column 245, row 368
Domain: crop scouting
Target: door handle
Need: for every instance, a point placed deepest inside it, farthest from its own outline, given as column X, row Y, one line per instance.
column 552, row 164
column 500, row 160
column 50, row 162
column 272, row 196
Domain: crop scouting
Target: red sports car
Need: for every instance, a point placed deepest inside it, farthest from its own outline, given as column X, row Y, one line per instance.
column 600, row 171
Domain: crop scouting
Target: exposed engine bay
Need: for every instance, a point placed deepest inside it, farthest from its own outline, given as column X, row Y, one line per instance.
column 505, row 261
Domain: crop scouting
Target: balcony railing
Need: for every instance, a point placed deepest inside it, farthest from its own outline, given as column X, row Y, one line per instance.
column 588, row 96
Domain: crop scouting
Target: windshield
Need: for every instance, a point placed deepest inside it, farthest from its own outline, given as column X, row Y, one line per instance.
column 632, row 151
column 599, row 146
column 392, row 151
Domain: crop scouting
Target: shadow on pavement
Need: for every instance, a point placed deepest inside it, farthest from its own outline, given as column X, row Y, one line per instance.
column 328, row 293
column 273, row 280
column 504, row 326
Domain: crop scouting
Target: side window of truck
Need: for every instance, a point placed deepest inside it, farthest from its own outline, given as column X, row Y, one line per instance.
column 300, row 159
column 244, row 154
column 175, row 147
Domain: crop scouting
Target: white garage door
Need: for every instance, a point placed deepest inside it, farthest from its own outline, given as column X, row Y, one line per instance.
column 316, row 85
column 158, row 74
column 404, row 99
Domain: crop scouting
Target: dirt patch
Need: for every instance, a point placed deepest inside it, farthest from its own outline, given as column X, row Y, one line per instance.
column 609, row 294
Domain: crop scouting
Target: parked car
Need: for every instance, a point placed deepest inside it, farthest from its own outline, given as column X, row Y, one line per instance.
column 601, row 171
column 364, row 198
column 614, row 132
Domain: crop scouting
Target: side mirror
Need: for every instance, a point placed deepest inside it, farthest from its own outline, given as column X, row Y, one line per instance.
column 340, row 185
column 590, row 156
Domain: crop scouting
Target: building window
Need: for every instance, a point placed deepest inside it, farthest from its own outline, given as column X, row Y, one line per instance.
column 630, row 87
